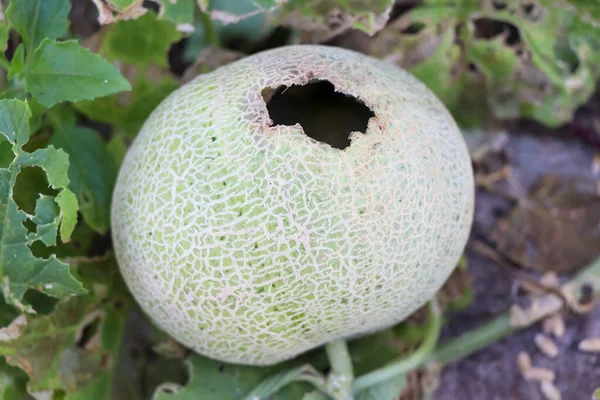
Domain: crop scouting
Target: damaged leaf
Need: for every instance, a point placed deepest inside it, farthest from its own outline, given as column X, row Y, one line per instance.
column 91, row 172
column 21, row 269
column 73, row 349
column 323, row 19
column 179, row 12
column 110, row 11
column 233, row 11
column 538, row 60
column 555, row 228
column 210, row 379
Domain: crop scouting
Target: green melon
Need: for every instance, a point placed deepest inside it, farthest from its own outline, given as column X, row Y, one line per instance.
column 251, row 242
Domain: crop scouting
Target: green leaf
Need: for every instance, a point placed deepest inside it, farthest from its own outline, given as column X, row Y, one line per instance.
column 75, row 348
column 209, row 379
column 66, row 71
column 178, row 11
column 17, row 63
column 36, row 20
column 130, row 117
column 91, row 172
column 315, row 16
column 274, row 383
column 3, row 43
column 388, row 390
column 129, row 41
column 12, row 382
column 146, row 98
column 117, row 148
column 21, row 270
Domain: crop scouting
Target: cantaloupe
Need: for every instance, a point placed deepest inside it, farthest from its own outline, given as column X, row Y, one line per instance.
column 250, row 241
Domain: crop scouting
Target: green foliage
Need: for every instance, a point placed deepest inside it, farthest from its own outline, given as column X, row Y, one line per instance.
column 22, row 270
column 178, row 12
column 91, row 172
column 74, row 347
column 537, row 60
column 79, row 75
column 36, row 20
column 130, row 42
column 209, row 379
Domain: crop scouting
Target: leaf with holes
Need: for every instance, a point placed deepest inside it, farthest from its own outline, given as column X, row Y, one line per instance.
column 91, row 172
column 74, row 349
column 178, row 12
column 536, row 60
column 325, row 19
column 65, row 71
column 211, row 379
column 110, row 11
column 36, row 20
column 21, row 269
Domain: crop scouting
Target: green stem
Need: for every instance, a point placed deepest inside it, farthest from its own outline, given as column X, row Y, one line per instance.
column 473, row 341
column 413, row 361
column 339, row 382
column 501, row 326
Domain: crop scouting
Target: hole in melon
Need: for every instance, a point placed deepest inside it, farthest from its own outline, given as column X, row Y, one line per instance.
column 324, row 114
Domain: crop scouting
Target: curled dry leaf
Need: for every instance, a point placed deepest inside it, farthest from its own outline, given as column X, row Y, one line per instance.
column 13, row 331
column 321, row 20
column 539, row 307
column 109, row 12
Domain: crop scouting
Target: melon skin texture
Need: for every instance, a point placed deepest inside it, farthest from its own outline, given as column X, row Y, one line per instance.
column 252, row 243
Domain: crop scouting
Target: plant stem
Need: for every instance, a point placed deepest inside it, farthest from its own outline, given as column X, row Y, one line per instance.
column 339, row 382
column 472, row 341
column 501, row 326
column 413, row 361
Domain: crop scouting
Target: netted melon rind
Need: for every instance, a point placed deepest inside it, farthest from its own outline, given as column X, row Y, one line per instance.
column 251, row 243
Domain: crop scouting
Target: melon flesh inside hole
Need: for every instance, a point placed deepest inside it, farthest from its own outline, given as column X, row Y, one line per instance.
column 324, row 114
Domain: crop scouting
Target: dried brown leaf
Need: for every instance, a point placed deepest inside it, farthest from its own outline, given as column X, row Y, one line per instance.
column 13, row 331
column 554, row 228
